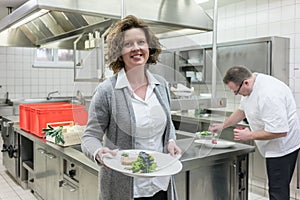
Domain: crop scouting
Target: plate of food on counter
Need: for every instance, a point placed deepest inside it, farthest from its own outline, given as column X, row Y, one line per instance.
column 209, row 140
column 217, row 143
column 143, row 163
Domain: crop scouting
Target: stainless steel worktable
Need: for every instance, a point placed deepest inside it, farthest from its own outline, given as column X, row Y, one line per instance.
column 194, row 155
column 198, row 154
column 200, row 165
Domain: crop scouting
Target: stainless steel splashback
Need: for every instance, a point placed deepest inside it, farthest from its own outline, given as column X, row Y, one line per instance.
column 62, row 21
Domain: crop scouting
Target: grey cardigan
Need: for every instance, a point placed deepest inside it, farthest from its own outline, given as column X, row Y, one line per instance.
column 111, row 123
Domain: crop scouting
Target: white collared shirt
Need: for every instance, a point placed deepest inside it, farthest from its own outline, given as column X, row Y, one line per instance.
column 271, row 107
column 151, row 121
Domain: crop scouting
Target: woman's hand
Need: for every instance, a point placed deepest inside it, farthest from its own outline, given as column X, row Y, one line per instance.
column 173, row 148
column 104, row 151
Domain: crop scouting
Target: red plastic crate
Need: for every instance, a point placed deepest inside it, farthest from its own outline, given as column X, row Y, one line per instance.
column 24, row 114
column 32, row 113
column 40, row 116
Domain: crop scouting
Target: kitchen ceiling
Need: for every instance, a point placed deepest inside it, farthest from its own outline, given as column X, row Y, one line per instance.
column 16, row 3
column 11, row 3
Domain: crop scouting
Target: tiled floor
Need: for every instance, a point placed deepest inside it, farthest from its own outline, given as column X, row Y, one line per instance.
column 10, row 190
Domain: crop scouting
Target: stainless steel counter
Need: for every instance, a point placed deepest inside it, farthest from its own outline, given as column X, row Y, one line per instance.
column 195, row 155
column 200, row 165
column 198, row 155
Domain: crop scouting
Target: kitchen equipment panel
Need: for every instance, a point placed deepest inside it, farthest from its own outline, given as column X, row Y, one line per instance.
column 10, row 148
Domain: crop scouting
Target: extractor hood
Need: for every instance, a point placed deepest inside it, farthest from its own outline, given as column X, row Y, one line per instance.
column 57, row 23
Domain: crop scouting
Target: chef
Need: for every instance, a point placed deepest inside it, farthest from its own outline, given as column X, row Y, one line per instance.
column 270, row 108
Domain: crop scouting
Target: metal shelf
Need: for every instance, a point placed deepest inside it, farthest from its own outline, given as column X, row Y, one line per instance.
column 196, row 103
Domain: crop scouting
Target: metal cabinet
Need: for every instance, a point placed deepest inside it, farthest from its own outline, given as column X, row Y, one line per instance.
column 88, row 185
column 10, row 148
column 189, row 63
column 217, row 180
column 78, row 182
column 46, row 173
column 211, row 182
column 181, row 184
column 166, row 68
column 267, row 55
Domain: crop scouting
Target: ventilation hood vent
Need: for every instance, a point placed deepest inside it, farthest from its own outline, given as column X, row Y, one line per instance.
column 57, row 23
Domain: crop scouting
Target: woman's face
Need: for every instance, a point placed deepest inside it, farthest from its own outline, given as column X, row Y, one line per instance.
column 135, row 51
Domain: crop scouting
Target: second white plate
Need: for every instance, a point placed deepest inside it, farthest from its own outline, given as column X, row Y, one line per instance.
column 221, row 144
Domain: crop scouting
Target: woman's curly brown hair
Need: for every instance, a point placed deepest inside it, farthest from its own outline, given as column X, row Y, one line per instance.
column 115, row 40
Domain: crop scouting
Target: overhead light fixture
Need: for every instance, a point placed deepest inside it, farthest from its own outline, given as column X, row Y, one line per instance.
column 30, row 18
column 201, row 1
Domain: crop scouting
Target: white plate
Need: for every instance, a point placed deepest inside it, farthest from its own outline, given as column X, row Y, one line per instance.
column 221, row 144
column 161, row 159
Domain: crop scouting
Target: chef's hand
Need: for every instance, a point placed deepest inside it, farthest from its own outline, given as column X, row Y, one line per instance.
column 173, row 148
column 216, row 128
column 242, row 134
column 104, row 151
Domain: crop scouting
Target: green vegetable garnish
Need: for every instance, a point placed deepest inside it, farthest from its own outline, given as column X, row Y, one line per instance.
column 143, row 164
column 125, row 154
column 205, row 133
column 55, row 132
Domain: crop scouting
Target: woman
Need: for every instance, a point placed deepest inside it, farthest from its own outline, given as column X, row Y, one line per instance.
column 131, row 110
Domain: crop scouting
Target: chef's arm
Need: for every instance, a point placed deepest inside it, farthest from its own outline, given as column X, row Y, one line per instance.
column 264, row 135
column 234, row 118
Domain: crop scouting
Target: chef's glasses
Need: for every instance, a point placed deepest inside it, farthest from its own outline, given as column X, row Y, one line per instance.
column 238, row 90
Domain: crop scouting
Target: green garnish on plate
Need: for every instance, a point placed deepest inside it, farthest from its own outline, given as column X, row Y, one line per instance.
column 205, row 133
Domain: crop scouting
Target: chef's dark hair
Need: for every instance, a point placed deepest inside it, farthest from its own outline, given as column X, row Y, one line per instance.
column 115, row 40
column 237, row 74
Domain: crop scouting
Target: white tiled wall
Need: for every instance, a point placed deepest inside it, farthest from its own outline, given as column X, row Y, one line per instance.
column 21, row 80
column 256, row 18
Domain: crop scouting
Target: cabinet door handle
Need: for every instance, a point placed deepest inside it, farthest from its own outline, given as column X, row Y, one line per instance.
column 42, row 151
column 234, row 168
column 50, row 155
column 70, row 187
